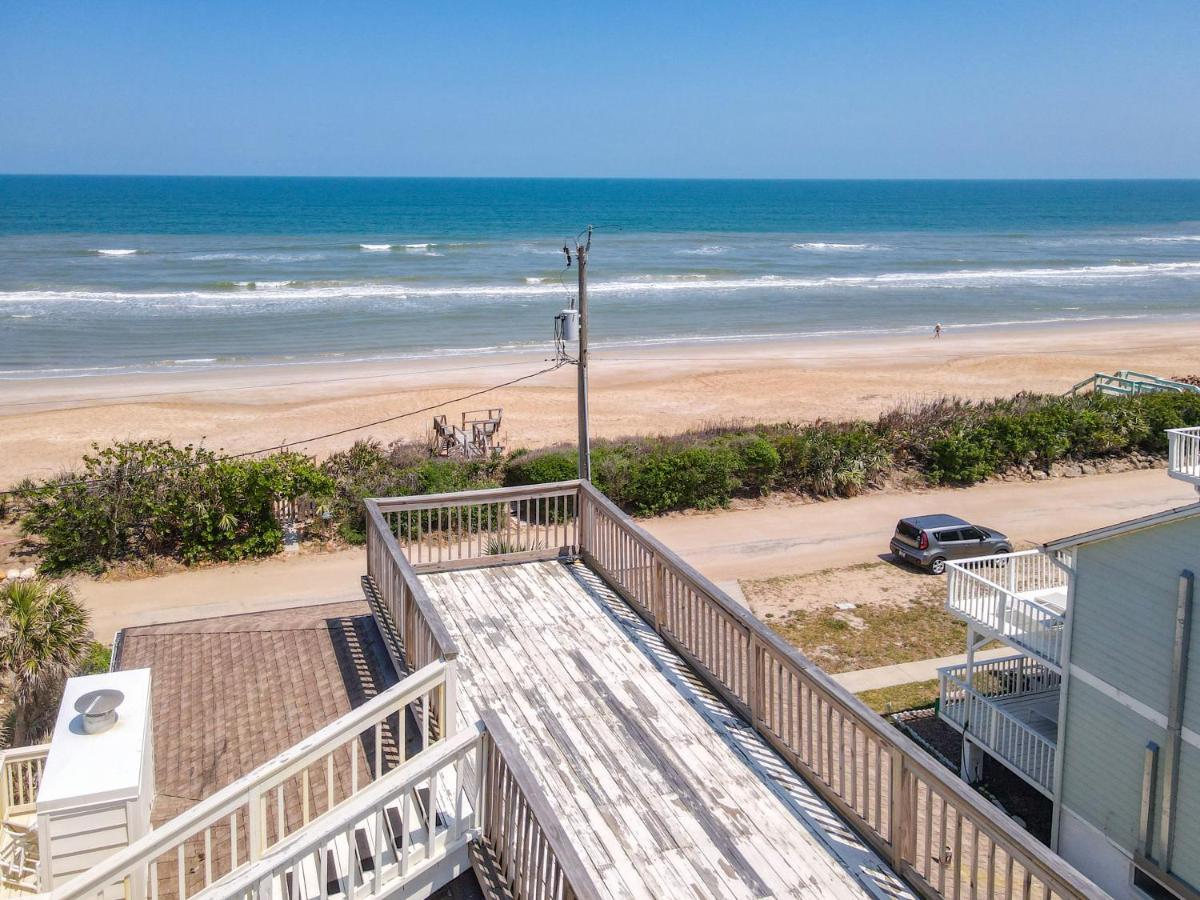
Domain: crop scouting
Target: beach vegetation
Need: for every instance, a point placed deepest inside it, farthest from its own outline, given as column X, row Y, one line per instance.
column 144, row 499
column 139, row 500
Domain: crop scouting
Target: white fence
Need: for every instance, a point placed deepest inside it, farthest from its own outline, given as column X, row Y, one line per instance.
column 1183, row 454
column 1018, row 597
column 979, row 709
column 383, row 840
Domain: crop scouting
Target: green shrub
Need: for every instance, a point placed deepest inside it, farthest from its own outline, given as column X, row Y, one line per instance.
column 756, row 463
column 98, row 659
column 541, row 467
column 832, row 460
column 142, row 499
column 670, row 478
column 964, row 457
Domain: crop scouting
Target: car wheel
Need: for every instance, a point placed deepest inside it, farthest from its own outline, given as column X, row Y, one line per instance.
column 937, row 565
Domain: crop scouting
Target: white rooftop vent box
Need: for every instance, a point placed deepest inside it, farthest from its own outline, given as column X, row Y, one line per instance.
column 98, row 782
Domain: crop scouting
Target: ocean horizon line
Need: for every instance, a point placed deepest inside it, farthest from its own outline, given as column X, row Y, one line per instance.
column 765, row 179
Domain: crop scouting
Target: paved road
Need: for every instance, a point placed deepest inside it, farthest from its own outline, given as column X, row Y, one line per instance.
column 794, row 539
column 755, row 543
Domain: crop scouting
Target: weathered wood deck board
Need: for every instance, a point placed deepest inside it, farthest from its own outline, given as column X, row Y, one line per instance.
column 664, row 792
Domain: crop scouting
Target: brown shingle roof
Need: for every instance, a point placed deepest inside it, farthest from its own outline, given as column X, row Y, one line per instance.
column 231, row 692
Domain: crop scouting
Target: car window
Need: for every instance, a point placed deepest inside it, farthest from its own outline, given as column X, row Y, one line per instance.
column 972, row 534
column 949, row 535
column 908, row 530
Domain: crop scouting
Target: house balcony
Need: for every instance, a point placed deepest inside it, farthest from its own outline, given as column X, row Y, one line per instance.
column 1009, row 707
column 20, row 775
column 1017, row 598
column 1183, row 460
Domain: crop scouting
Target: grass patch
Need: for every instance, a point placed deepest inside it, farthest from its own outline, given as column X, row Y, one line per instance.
column 877, row 635
column 900, row 697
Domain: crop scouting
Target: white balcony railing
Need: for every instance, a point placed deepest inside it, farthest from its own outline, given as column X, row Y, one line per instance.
column 1010, row 707
column 1183, row 454
column 1019, row 598
column 21, row 775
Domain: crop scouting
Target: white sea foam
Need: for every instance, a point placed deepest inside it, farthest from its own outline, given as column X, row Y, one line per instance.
column 114, row 252
column 256, row 257
column 421, row 249
column 1171, row 239
column 713, row 250
column 300, row 291
column 830, row 246
column 375, row 248
column 262, row 285
column 534, row 280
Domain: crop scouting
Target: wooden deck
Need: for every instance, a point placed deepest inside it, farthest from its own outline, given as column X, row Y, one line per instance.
column 664, row 791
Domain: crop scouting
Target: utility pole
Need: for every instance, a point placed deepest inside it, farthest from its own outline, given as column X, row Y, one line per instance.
column 585, row 447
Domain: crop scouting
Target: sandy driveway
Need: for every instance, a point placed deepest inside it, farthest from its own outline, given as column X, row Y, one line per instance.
column 759, row 543
column 754, row 543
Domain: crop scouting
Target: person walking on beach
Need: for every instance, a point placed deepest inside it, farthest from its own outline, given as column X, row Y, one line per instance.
column 937, row 330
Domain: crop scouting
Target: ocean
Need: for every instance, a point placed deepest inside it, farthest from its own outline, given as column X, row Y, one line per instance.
column 154, row 274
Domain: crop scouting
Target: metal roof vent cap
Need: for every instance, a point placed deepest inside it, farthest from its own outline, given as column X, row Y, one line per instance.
column 99, row 709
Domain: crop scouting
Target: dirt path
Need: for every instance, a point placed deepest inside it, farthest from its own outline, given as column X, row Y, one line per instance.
column 756, row 543
column 788, row 540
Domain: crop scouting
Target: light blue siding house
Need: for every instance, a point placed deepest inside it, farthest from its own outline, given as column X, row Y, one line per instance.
column 1098, row 708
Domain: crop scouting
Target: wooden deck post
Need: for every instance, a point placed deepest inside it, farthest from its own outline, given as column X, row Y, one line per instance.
column 898, row 809
column 658, row 597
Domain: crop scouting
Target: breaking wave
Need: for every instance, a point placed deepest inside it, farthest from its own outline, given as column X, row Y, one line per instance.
column 637, row 284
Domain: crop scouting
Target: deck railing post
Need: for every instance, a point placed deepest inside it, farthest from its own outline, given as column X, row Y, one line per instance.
column 450, row 698
column 753, row 679
column 897, row 808
column 255, row 826
column 658, row 592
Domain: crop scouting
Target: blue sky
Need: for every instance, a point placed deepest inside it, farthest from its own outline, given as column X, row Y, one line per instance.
column 804, row 90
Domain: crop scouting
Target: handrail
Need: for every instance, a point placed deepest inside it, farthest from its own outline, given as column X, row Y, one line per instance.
column 562, row 862
column 248, row 790
column 1183, row 454
column 782, row 684
column 441, row 634
column 255, row 880
column 479, row 495
column 1021, row 665
column 21, row 771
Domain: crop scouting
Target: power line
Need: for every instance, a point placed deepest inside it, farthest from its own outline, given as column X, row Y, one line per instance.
column 312, row 439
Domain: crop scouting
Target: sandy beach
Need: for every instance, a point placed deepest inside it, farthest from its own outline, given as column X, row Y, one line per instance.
column 45, row 424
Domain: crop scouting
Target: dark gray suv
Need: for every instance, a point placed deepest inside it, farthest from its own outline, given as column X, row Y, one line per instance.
column 928, row 541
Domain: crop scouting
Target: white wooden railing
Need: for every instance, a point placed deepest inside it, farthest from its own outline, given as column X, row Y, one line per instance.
column 21, row 771
column 239, row 824
column 975, row 706
column 381, row 840
column 998, row 595
column 1183, row 454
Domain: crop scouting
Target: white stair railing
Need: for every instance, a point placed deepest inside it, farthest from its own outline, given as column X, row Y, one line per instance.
column 240, row 823
column 382, row 839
